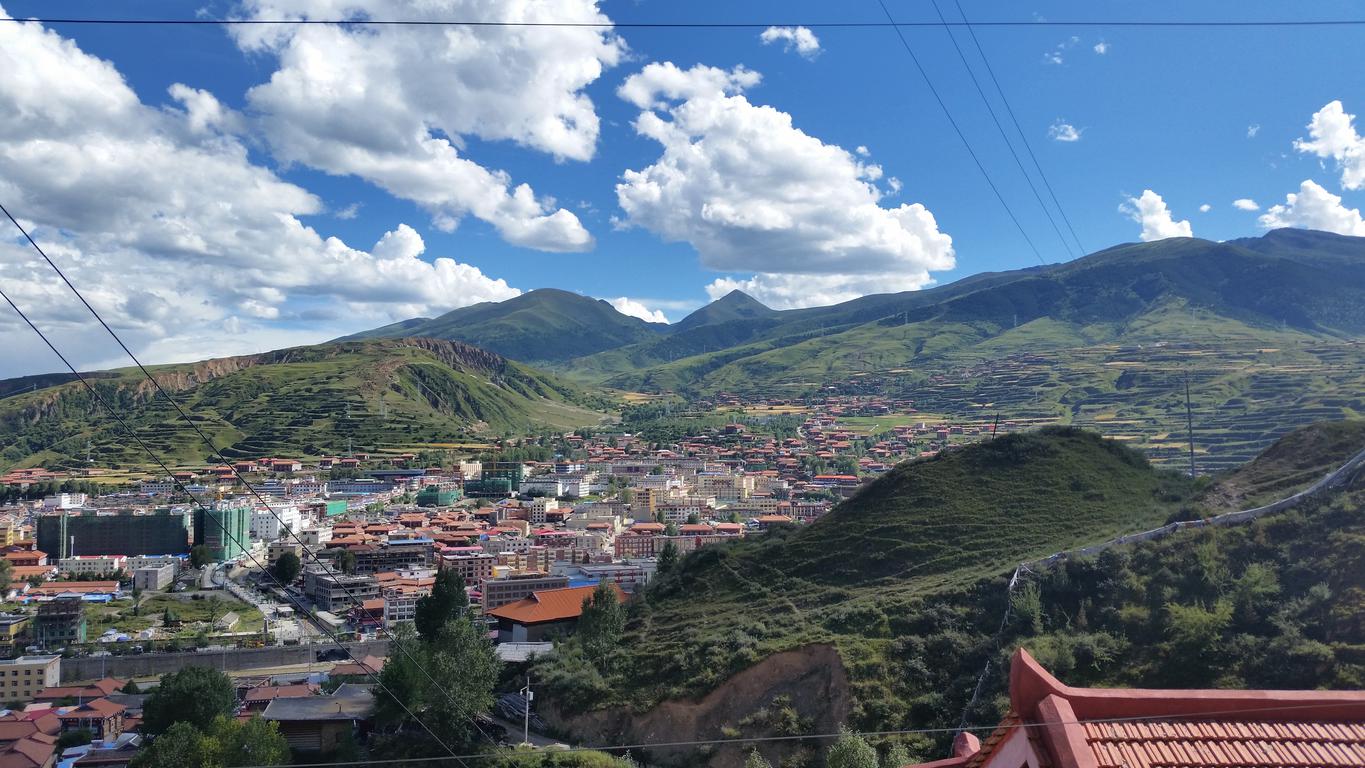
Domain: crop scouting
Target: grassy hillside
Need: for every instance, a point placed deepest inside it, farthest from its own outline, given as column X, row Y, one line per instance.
column 908, row 580
column 398, row 394
column 539, row 326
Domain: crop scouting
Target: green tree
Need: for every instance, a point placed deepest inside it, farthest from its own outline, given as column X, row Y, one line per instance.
column 851, row 751
column 199, row 556
column 402, row 680
column 6, row 574
column 461, row 658
column 446, row 602
column 755, row 760
column 130, row 687
column 194, row 695
column 253, row 742
column 668, row 558
column 169, row 617
column 896, row 756
column 602, row 624
column 74, row 738
column 287, row 568
column 346, row 561
column 180, row 746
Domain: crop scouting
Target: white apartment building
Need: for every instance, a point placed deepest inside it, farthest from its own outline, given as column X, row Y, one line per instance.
column 92, row 565
column 538, row 508
column 154, row 561
column 65, row 501
column 269, row 526
column 315, row 537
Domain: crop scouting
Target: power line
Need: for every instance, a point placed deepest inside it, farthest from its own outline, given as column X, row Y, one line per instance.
column 222, row 523
column 819, row 736
column 944, row 106
column 1004, row 137
column 207, row 441
column 1002, row 23
column 1023, row 136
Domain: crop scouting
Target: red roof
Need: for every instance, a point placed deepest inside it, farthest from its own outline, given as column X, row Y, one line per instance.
column 549, row 605
column 1064, row 727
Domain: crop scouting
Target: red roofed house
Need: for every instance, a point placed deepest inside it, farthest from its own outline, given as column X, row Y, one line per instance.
column 530, row 619
column 1051, row 725
column 101, row 717
column 27, row 740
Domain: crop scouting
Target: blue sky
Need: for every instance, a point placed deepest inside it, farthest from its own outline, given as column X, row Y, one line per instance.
column 1198, row 116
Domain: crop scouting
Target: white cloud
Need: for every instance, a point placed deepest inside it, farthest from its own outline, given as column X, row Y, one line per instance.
column 1101, row 47
column 349, row 212
column 1246, row 204
column 862, row 151
column 754, row 194
column 1057, row 54
column 1253, row 129
column 1151, row 212
column 394, row 105
column 1314, row 208
column 1205, row 208
column 637, row 308
column 1334, row 135
column 799, row 39
column 212, row 248
column 1063, row 131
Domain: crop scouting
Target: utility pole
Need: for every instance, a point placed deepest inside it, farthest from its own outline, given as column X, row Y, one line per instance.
column 1189, row 422
column 995, row 424
column 526, row 711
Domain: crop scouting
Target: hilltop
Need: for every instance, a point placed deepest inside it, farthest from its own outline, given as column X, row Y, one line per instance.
column 538, row 326
column 395, row 393
column 908, row 582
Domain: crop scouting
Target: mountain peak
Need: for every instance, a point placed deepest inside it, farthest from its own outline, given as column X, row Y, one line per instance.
column 735, row 305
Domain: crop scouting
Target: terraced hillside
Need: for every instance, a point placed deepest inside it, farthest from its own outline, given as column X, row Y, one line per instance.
column 909, row 582
column 399, row 393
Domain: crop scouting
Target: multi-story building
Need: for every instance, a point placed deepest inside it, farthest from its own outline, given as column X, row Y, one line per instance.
column 122, row 532
column 471, row 567
column 514, row 587
column 59, row 622
column 331, row 591
column 394, row 555
column 92, row 565
column 156, row 561
column 153, row 577
column 315, row 537
column 275, row 522
column 225, row 528
column 23, row 678
column 278, row 548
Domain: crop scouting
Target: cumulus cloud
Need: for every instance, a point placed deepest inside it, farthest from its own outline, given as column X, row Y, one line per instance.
column 1333, row 134
column 1058, row 54
column 395, row 105
column 1063, row 131
column 1149, row 210
column 636, row 308
column 1253, row 129
column 1246, row 204
column 754, row 194
column 1313, row 207
column 1101, row 47
column 798, row 39
column 214, row 248
column 1205, row 208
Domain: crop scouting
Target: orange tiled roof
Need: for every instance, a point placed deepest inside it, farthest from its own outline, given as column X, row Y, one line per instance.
column 549, row 605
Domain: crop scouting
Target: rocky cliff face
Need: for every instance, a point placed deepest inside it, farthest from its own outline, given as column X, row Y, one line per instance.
column 810, row 680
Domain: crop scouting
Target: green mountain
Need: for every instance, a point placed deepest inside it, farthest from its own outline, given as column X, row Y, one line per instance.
column 399, row 394
column 910, row 579
column 543, row 325
column 735, row 305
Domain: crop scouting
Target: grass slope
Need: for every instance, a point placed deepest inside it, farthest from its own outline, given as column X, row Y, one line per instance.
column 908, row 581
column 302, row 401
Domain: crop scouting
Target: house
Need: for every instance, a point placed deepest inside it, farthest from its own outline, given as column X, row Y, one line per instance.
column 365, row 666
column 1051, row 725
column 533, row 618
column 28, row 739
column 80, row 693
column 318, row 724
column 258, row 698
column 101, row 717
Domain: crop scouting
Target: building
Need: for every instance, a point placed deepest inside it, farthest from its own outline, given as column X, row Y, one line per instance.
column 473, row 568
column 12, row 625
column 101, row 717
column 1051, row 725
column 274, row 522
column 319, row 724
column 225, row 528
column 59, row 622
column 438, row 496
column 65, row 501
column 516, row 586
column 22, row 679
column 93, row 565
column 165, row 531
column 543, row 612
column 278, row 548
column 334, row 592
column 394, row 555
column 153, row 578
column 156, row 561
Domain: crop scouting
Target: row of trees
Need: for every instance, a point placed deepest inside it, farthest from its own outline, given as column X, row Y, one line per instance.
column 189, row 721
